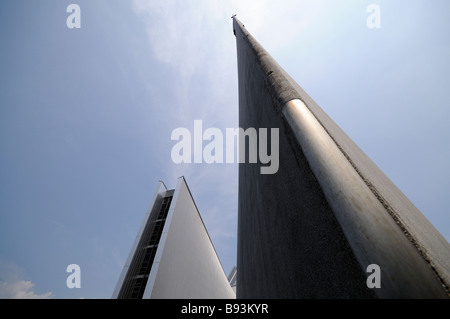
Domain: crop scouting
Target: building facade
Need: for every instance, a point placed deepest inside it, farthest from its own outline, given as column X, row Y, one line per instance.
column 172, row 256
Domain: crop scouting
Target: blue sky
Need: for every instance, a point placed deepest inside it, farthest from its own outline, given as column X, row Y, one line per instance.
column 86, row 116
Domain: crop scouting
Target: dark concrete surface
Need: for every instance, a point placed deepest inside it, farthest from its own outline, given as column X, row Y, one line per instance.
column 290, row 244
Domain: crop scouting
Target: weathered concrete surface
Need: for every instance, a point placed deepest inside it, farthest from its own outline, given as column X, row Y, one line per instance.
column 294, row 239
column 290, row 244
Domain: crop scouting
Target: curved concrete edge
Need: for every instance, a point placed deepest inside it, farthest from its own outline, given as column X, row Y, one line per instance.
column 421, row 234
column 430, row 243
column 372, row 233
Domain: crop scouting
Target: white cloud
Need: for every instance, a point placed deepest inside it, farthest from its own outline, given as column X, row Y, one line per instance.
column 174, row 31
column 20, row 289
column 12, row 286
column 195, row 38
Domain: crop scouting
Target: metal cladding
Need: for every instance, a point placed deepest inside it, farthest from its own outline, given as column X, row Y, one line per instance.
column 173, row 256
column 312, row 229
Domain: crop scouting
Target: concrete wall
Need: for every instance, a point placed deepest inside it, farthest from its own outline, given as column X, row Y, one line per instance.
column 301, row 232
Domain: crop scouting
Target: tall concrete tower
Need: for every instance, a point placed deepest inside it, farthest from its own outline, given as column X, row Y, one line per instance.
column 316, row 227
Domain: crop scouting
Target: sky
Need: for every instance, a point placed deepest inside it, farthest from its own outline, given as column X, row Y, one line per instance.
column 86, row 116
